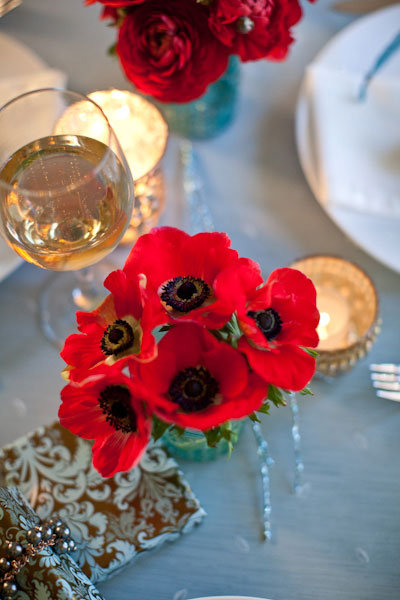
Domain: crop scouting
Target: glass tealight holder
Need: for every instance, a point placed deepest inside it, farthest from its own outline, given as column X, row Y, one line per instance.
column 143, row 134
column 348, row 304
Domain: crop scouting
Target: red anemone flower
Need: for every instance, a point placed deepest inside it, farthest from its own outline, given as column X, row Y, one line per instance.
column 199, row 382
column 111, row 409
column 278, row 320
column 182, row 273
column 119, row 328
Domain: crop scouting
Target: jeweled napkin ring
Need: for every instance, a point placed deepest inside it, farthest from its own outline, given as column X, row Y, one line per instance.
column 51, row 533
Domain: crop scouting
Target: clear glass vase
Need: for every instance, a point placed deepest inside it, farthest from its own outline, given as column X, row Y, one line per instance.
column 192, row 445
column 212, row 113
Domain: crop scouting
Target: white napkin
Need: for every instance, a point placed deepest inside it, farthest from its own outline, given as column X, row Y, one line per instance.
column 10, row 87
column 357, row 143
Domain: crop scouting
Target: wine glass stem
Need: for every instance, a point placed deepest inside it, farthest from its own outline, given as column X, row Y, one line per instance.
column 86, row 294
column 62, row 295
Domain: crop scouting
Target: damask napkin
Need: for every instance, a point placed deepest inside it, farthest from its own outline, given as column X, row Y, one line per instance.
column 357, row 143
column 111, row 520
column 47, row 576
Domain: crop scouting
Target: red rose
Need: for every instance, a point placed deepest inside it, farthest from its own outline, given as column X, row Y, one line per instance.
column 108, row 407
column 120, row 327
column 168, row 51
column 199, row 382
column 116, row 3
column 277, row 320
column 109, row 12
column 255, row 29
column 182, row 273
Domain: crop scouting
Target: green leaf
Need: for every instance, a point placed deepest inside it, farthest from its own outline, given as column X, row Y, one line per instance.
column 264, row 408
column 311, row 352
column 306, row 392
column 275, row 395
column 178, row 430
column 213, row 436
column 253, row 417
column 159, row 428
column 112, row 51
column 230, row 448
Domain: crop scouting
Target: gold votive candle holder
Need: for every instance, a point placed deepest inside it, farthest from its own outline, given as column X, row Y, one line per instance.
column 349, row 311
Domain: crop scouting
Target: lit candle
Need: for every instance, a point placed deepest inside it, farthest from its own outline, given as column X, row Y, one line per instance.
column 348, row 306
column 333, row 328
column 142, row 132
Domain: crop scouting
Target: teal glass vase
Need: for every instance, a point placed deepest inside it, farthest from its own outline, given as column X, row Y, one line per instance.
column 209, row 115
column 192, row 445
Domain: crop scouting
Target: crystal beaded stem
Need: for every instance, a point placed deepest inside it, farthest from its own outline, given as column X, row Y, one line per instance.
column 201, row 220
column 299, row 465
column 265, row 460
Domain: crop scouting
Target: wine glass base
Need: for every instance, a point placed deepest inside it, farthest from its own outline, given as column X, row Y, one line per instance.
column 62, row 295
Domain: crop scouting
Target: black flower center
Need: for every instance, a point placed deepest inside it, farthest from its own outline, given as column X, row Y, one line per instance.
column 185, row 293
column 115, row 403
column 194, row 389
column 268, row 321
column 117, row 338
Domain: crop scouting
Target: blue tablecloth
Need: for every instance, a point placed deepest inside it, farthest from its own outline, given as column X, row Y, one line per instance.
column 341, row 539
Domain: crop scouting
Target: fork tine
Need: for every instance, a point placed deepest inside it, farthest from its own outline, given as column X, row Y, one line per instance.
column 385, row 368
column 388, row 395
column 385, row 377
column 393, row 386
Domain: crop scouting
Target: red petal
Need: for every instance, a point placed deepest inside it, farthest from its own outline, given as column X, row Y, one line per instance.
column 159, row 254
column 229, row 368
column 83, row 350
column 186, row 340
column 287, row 367
column 235, row 285
column 157, row 374
column 86, row 421
column 103, row 315
column 127, row 293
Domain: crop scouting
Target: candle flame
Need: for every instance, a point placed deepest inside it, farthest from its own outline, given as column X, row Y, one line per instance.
column 324, row 320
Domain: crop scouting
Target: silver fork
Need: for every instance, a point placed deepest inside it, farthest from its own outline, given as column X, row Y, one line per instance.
column 386, row 379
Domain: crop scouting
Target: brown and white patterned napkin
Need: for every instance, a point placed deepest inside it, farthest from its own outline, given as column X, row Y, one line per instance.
column 111, row 520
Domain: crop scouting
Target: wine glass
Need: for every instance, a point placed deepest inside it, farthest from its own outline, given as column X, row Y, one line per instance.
column 65, row 198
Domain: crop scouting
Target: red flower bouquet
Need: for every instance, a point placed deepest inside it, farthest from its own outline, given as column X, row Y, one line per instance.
column 173, row 50
column 227, row 343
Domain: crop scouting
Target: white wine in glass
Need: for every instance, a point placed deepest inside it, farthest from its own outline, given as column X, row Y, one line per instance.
column 65, row 198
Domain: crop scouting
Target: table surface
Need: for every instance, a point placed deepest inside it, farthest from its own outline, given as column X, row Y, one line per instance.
column 341, row 538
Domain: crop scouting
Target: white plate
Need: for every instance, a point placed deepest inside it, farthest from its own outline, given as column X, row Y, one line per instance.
column 354, row 49
column 17, row 59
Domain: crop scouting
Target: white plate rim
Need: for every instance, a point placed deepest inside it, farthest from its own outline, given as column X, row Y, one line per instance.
column 303, row 143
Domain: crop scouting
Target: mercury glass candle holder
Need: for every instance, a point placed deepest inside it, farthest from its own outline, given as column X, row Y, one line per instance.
column 143, row 134
column 348, row 304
